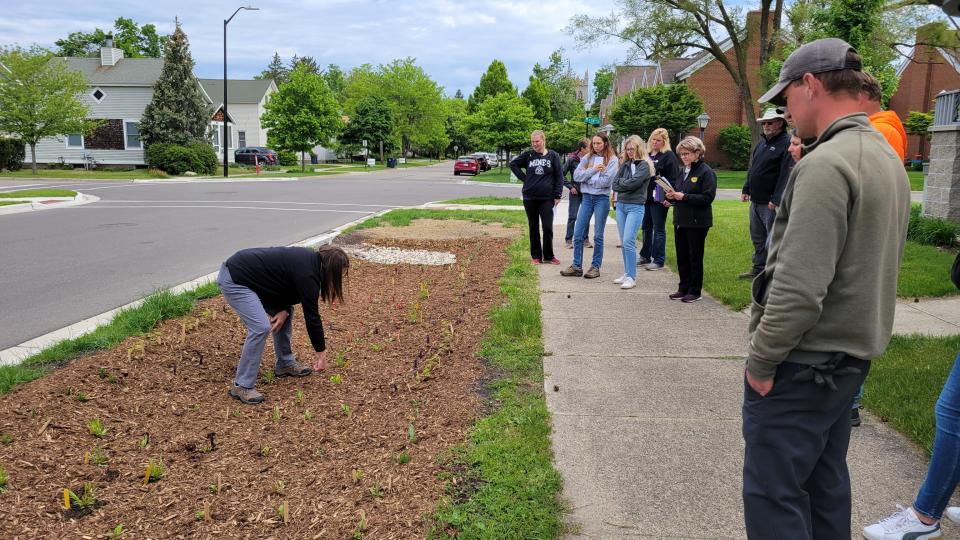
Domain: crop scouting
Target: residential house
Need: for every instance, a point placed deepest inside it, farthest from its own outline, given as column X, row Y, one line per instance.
column 246, row 100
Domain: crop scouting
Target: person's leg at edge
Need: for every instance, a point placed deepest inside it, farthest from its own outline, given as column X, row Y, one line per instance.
column 532, row 209
column 601, row 210
column 248, row 306
column 546, row 222
column 683, row 258
column 572, row 209
column 282, row 348
column 621, row 222
column 697, row 238
column 758, row 235
column 579, row 232
column 634, row 218
column 943, row 474
column 659, row 219
column 646, row 248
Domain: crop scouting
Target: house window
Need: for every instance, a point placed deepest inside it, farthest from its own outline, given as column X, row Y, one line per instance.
column 98, row 95
column 75, row 140
column 216, row 138
column 133, row 135
column 242, row 139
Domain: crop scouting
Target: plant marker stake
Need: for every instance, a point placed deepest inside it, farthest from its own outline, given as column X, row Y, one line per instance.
column 146, row 475
column 66, row 499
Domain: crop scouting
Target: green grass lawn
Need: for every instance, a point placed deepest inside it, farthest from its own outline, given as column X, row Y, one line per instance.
column 25, row 193
column 925, row 270
column 735, row 179
column 10, row 203
column 493, row 175
column 80, row 174
column 904, row 383
column 488, row 200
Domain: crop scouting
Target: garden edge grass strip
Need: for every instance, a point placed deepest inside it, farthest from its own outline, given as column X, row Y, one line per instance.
column 159, row 306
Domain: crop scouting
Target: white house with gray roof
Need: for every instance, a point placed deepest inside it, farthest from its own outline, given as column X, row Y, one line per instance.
column 245, row 104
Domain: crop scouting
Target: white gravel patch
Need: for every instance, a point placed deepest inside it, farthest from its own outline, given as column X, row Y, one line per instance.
column 394, row 255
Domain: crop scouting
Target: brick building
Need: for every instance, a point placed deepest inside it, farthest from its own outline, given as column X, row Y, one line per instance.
column 924, row 73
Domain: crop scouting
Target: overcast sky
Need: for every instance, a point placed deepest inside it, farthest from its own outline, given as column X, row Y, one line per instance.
column 454, row 41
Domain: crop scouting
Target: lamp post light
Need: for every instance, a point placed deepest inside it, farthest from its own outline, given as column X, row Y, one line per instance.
column 703, row 120
column 225, row 138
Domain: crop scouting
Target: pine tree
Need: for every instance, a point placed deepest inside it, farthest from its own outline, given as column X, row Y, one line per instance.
column 275, row 70
column 178, row 113
column 493, row 82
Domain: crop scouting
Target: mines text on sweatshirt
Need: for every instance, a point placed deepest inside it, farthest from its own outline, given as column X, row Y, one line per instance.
column 282, row 277
column 542, row 175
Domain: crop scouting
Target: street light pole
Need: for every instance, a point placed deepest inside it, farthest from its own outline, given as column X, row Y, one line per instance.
column 225, row 138
column 703, row 120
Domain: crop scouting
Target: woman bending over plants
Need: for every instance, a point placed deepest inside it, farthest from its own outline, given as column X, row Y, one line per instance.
column 263, row 285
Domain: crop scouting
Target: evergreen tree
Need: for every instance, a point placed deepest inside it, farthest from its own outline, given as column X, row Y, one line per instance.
column 276, row 71
column 458, row 95
column 373, row 121
column 178, row 113
column 493, row 82
column 310, row 65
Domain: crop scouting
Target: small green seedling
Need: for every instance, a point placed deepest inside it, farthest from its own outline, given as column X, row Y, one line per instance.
column 117, row 531
column 96, row 428
column 413, row 313
column 424, row 292
column 307, row 415
column 81, row 502
column 361, row 526
column 279, row 486
column 6, row 438
column 269, row 376
column 345, row 409
column 319, row 453
column 237, row 413
column 265, row 451
column 200, row 515
column 99, row 457
column 357, row 475
column 300, row 397
column 340, row 359
column 144, row 441
column 112, row 379
column 155, row 471
column 411, row 434
column 283, row 512
column 82, row 397
column 376, row 347
column 403, row 458
column 102, row 373
column 275, row 415
column 336, row 379
column 376, row 491
column 4, row 479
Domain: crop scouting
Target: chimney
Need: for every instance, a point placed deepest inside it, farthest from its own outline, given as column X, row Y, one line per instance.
column 109, row 56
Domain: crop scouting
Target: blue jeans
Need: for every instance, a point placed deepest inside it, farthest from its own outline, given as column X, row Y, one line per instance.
column 943, row 474
column 597, row 206
column 251, row 311
column 572, row 211
column 629, row 218
column 655, row 233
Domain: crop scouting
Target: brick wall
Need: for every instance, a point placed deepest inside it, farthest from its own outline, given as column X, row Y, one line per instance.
column 926, row 76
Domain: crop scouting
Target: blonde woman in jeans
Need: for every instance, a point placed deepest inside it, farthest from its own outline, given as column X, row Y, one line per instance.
column 630, row 187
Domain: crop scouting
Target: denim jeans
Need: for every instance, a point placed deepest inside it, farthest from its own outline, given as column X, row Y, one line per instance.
column 257, row 320
column 572, row 211
column 597, row 206
column 943, row 474
column 761, row 223
column 629, row 218
column 654, row 233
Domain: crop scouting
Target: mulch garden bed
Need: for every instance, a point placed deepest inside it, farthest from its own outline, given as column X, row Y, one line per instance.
column 348, row 453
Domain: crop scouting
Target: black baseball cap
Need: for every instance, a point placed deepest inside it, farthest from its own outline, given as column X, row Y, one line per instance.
column 820, row 56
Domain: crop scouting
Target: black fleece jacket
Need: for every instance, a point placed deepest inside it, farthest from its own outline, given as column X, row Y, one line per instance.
column 542, row 175
column 699, row 188
column 282, row 277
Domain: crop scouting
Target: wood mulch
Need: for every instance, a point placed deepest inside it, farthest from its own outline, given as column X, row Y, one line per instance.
column 407, row 341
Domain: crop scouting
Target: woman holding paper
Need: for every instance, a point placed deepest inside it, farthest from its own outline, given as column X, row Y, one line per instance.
column 630, row 186
column 594, row 174
column 653, row 254
column 692, row 217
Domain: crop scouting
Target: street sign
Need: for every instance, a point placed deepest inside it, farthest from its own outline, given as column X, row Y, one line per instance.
column 592, row 120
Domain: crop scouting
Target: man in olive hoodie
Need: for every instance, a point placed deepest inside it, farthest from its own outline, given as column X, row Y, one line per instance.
column 823, row 306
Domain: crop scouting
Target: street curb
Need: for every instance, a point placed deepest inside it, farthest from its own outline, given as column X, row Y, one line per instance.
column 36, row 204
column 17, row 353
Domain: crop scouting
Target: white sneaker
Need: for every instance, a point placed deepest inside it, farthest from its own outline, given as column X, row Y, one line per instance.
column 953, row 514
column 653, row 267
column 902, row 525
column 628, row 283
column 620, row 279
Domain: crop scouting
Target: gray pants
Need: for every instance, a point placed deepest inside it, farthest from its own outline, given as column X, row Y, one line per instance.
column 761, row 224
column 257, row 319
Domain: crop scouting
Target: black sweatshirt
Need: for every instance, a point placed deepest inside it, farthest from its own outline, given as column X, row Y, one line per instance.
column 769, row 169
column 699, row 188
column 542, row 175
column 282, row 277
column 668, row 167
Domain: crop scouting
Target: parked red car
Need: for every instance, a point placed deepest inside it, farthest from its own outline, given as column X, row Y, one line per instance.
column 466, row 164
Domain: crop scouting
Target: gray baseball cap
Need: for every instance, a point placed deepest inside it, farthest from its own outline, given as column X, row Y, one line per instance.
column 822, row 55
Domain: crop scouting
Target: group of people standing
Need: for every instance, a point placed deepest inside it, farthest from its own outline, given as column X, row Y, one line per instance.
column 642, row 184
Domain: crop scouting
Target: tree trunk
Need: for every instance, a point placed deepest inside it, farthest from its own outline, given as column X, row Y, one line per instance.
column 303, row 165
column 33, row 156
column 381, row 151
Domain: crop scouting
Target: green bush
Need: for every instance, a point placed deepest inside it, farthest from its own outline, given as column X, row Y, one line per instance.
column 12, row 152
column 931, row 231
column 287, row 158
column 736, row 143
column 176, row 159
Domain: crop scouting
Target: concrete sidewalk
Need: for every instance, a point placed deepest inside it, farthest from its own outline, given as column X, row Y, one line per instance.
column 645, row 395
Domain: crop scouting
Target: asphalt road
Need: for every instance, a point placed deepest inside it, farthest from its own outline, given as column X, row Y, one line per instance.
column 64, row 265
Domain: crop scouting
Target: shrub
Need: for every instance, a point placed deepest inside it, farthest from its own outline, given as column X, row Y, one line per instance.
column 736, row 143
column 931, row 231
column 12, row 153
column 176, row 159
column 287, row 158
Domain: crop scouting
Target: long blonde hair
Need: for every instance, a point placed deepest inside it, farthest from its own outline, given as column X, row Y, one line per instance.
column 607, row 152
column 663, row 135
column 642, row 153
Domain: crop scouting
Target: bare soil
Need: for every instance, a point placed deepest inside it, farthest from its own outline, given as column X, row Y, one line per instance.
column 406, row 339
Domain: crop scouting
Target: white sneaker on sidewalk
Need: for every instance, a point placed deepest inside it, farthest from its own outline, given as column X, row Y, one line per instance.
column 901, row 525
column 953, row 514
column 620, row 279
column 628, row 283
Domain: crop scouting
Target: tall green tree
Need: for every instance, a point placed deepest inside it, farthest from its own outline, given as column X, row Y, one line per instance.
column 561, row 85
column 373, row 122
column 493, row 82
column 302, row 113
column 178, row 112
column 672, row 106
column 310, row 64
column 503, row 122
column 602, row 86
column 457, row 132
column 336, row 81
column 135, row 41
column 538, row 96
column 275, row 70
column 417, row 103
column 40, row 97
column 564, row 137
